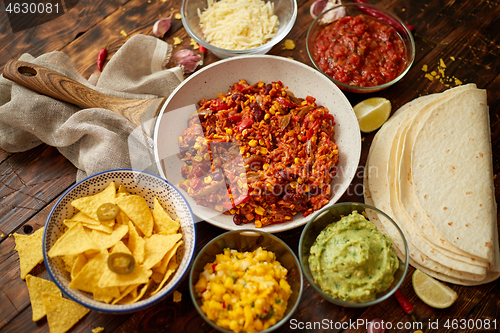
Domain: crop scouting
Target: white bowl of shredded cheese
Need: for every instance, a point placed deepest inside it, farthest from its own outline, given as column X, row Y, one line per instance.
column 238, row 27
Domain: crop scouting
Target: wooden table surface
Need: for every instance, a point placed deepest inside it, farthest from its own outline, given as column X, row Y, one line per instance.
column 467, row 31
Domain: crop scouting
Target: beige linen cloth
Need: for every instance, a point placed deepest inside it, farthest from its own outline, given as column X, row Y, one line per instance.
column 94, row 139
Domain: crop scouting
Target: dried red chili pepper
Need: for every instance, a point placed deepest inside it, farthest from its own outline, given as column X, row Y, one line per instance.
column 405, row 304
column 101, row 57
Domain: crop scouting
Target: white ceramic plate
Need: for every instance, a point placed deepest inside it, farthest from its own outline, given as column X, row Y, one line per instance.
column 217, row 78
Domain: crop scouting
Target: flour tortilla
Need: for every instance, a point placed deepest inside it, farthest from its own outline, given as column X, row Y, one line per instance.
column 389, row 186
column 453, row 180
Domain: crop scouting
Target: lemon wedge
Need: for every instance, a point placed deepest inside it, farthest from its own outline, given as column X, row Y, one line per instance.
column 372, row 113
column 432, row 292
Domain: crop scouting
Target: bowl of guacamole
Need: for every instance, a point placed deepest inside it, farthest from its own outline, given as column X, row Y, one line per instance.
column 348, row 258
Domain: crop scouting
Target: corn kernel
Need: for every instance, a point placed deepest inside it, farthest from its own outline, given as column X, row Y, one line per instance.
column 180, row 139
column 299, row 180
column 259, row 210
column 293, row 184
column 260, row 84
column 288, row 217
column 198, row 159
column 262, row 142
column 303, row 103
column 242, row 150
column 258, row 224
column 219, row 208
column 229, row 131
column 296, row 160
column 207, row 179
column 206, row 157
column 265, row 166
column 267, row 116
column 263, row 150
column 252, row 143
column 335, row 151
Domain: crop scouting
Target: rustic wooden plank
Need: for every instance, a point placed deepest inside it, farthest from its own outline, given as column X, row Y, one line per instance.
column 136, row 17
column 11, row 284
column 55, row 34
column 29, row 181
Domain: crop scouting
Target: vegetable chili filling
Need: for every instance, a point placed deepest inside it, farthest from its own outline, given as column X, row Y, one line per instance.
column 360, row 51
column 259, row 153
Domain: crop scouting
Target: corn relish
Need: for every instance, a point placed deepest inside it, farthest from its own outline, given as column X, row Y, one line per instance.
column 244, row 292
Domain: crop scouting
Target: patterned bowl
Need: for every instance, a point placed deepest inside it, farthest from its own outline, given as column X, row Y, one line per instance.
column 146, row 185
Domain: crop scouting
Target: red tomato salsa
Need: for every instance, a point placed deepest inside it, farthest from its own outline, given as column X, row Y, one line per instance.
column 360, row 51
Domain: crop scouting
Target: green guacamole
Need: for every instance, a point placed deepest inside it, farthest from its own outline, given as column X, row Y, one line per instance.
column 352, row 261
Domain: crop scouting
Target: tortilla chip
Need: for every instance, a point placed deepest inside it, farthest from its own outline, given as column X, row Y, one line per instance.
column 98, row 227
column 122, row 191
column 105, row 241
column 130, row 299
column 87, row 279
column 108, row 278
column 137, row 210
column 136, row 243
column 69, row 261
column 37, row 286
column 162, row 267
column 157, row 246
column 120, row 247
column 127, row 290
column 172, row 266
column 73, row 241
column 177, row 296
column 122, row 218
column 163, row 223
column 106, row 295
column 62, row 314
column 30, row 250
column 80, row 262
column 89, row 205
column 85, row 219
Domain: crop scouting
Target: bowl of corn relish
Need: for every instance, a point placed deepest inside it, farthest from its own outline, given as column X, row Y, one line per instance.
column 246, row 281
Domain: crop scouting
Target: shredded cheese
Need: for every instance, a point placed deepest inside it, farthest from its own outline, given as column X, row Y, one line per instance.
column 238, row 24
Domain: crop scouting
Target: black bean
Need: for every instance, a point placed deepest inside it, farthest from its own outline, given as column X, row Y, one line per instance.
column 258, row 114
column 268, row 89
column 238, row 219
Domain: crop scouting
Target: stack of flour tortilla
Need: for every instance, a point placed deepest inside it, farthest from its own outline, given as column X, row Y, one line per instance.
column 430, row 169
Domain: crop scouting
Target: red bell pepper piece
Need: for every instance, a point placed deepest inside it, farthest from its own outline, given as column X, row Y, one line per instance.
column 245, row 123
column 234, row 118
column 217, row 106
column 285, row 102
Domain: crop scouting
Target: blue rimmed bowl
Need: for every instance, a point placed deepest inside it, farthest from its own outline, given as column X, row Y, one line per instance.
column 146, row 185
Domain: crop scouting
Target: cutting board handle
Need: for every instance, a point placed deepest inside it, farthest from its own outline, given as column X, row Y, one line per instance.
column 54, row 84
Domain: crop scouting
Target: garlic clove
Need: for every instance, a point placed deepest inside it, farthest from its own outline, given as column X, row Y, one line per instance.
column 161, row 27
column 188, row 60
column 317, row 8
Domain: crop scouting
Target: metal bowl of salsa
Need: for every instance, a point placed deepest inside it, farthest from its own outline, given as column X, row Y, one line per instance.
column 362, row 48
column 349, row 259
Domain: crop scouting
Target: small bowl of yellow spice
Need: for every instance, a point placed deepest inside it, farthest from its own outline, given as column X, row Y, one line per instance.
column 349, row 259
column 246, row 281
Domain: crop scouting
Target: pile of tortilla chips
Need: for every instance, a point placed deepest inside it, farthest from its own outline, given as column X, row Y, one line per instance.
column 151, row 237
column 46, row 300
column 430, row 169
